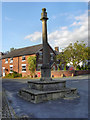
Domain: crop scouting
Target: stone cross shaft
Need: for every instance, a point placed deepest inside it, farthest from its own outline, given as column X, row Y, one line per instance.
column 44, row 36
column 45, row 69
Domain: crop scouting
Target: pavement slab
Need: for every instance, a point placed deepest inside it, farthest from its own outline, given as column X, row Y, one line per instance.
column 76, row 108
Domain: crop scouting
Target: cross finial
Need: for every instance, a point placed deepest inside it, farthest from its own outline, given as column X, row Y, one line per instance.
column 44, row 14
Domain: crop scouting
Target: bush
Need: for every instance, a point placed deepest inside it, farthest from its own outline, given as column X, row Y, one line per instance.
column 8, row 75
column 89, row 67
column 14, row 74
column 20, row 75
column 82, row 68
column 86, row 67
column 78, row 67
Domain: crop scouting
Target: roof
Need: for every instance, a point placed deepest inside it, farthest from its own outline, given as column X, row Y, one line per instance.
column 57, row 52
column 23, row 51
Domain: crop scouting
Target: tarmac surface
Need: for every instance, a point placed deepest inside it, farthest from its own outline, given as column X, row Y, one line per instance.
column 0, row 98
column 77, row 108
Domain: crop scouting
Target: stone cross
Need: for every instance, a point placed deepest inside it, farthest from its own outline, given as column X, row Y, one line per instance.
column 46, row 88
column 45, row 69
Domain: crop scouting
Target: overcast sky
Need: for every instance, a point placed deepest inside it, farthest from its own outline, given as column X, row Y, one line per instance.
column 21, row 25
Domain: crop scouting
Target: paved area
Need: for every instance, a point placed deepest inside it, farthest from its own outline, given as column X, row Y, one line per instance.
column 0, row 97
column 77, row 108
column 5, row 107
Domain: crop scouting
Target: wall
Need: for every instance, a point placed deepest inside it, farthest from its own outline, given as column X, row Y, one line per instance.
column 67, row 73
column 0, row 64
column 0, row 67
column 17, row 65
column 82, row 72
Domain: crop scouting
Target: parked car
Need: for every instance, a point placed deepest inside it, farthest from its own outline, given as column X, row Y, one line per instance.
column 71, row 68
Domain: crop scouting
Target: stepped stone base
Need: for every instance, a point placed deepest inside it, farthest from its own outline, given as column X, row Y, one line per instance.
column 47, row 85
column 40, row 91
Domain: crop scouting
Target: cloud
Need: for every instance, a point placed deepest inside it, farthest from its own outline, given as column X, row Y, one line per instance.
column 34, row 37
column 63, row 36
column 64, row 28
column 76, row 24
column 61, row 14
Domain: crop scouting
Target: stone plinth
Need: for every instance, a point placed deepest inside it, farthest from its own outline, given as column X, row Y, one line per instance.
column 40, row 91
column 37, row 96
column 45, row 72
column 47, row 85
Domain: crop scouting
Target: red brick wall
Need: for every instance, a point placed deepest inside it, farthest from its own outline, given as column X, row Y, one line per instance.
column 6, row 65
column 62, row 73
column 66, row 73
column 82, row 72
column 17, row 65
column 24, row 62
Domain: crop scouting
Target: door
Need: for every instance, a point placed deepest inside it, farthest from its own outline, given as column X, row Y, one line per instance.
column 3, row 71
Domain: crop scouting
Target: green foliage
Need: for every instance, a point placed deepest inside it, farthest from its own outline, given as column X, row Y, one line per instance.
column 13, row 75
column 86, row 67
column 11, row 49
column 64, row 67
column 76, row 53
column 58, row 68
column 78, row 67
column 32, row 65
column 82, row 67
column 89, row 67
column 62, row 59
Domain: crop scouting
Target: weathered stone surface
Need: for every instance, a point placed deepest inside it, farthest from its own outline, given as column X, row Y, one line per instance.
column 47, row 85
column 37, row 96
column 45, row 69
column 46, row 89
column 45, row 72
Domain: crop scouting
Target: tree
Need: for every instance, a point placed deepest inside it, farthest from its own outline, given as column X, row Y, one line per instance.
column 32, row 65
column 62, row 58
column 11, row 49
column 75, row 53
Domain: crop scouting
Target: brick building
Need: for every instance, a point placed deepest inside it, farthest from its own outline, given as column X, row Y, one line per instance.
column 16, row 60
column 0, row 64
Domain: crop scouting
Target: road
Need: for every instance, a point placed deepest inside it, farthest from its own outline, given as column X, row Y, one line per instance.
column 77, row 108
column 0, row 97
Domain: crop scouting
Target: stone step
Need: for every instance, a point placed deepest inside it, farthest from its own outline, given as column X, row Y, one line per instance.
column 36, row 96
column 47, row 85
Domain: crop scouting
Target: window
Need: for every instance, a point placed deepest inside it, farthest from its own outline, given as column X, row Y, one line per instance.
column 51, row 54
column 40, row 55
column 54, row 68
column 62, row 66
column 23, row 67
column 57, row 59
column 6, row 60
column 11, row 60
column 39, row 67
column 11, row 68
column 23, row 58
column 58, row 66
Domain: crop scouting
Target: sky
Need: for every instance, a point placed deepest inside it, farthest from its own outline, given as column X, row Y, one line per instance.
column 21, row 25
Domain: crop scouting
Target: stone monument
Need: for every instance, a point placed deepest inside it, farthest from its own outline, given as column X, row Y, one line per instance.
column 45, row 69
column 46, row 89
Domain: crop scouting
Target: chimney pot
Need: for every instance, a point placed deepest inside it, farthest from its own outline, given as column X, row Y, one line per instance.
column 57, row 49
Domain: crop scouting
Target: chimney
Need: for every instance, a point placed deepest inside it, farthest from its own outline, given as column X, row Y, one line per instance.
column 57, row 49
